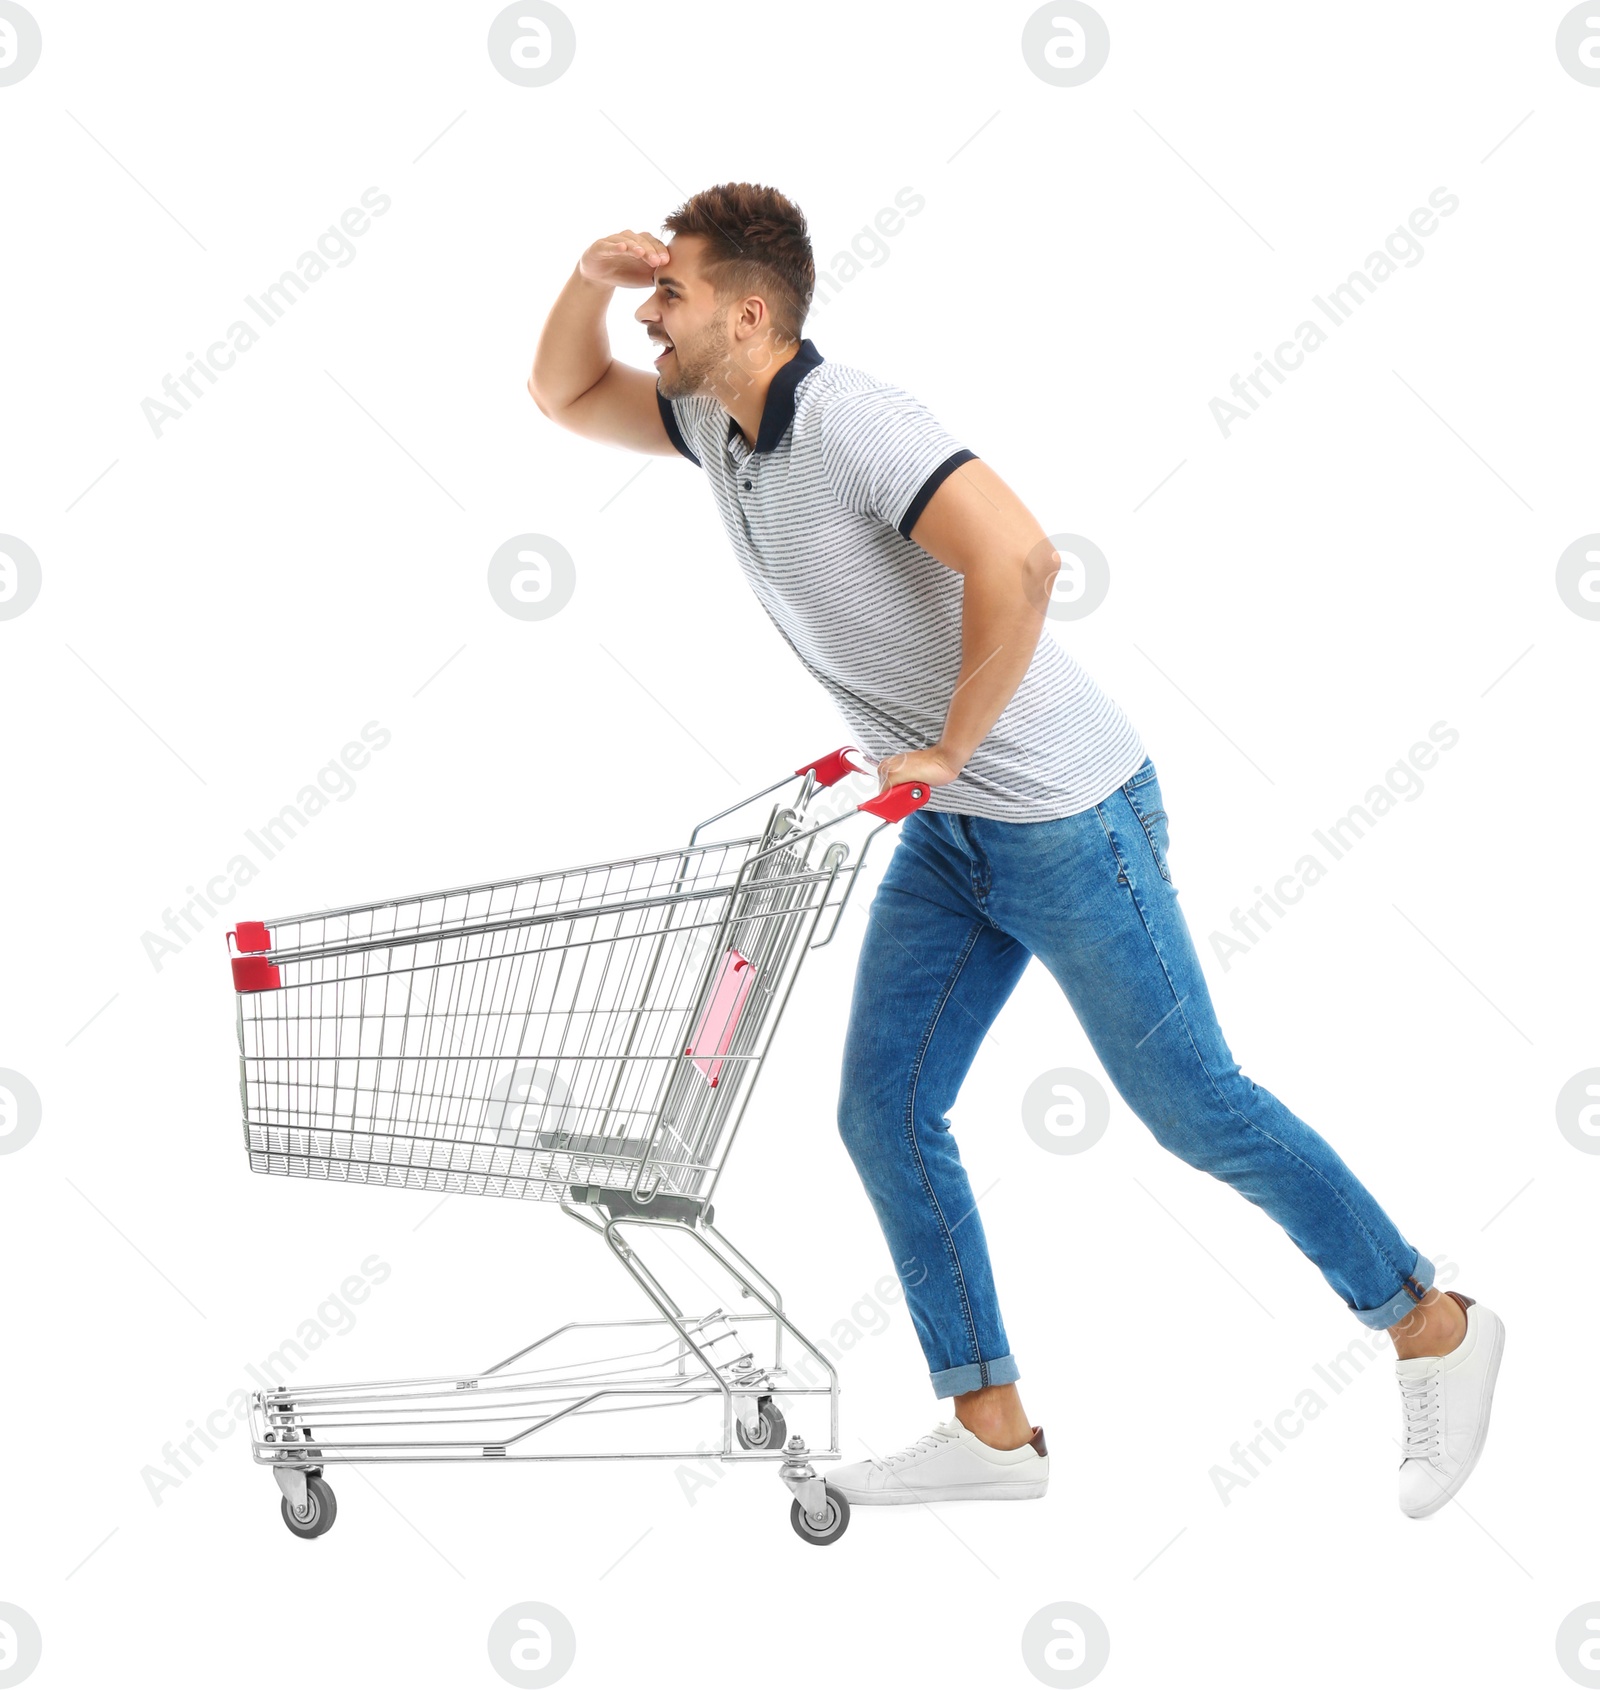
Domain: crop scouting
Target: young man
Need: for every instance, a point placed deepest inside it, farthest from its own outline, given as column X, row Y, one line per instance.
column 912, row 583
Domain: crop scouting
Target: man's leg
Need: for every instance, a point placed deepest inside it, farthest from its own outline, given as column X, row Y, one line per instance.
column 932, row 976
column 1091, row 897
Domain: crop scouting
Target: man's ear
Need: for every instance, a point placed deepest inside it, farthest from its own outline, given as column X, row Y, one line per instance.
column 754, row 318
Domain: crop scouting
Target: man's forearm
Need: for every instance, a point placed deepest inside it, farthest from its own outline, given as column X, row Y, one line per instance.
column 1000, row 630
column 574, row 350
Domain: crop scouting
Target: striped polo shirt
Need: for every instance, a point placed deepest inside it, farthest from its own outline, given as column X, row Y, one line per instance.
column 820, row 512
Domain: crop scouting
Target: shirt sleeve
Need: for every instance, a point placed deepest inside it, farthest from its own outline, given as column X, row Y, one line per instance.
column 885, row 454
column 684, row 421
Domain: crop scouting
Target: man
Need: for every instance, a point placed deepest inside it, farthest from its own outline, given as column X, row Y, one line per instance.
column 912, row 583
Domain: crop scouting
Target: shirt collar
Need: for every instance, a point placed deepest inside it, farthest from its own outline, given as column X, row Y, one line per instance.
column 778, row 410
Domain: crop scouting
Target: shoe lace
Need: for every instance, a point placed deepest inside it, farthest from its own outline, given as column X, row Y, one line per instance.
column 926, row 1444
column 1419, row 1400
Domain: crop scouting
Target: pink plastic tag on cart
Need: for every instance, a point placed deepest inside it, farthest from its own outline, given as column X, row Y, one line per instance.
column 713, row 1034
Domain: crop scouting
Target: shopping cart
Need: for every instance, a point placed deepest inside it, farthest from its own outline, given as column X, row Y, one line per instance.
column 589, row 1037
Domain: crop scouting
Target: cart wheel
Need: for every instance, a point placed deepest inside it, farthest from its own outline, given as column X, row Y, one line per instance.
column 770, row 1434
column 320, row 1512
column 821, row 1531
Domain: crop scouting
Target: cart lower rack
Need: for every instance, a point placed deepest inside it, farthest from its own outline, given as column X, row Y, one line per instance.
column 589, row 1037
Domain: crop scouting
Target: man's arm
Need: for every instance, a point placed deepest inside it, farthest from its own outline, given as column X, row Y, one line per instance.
column 575, row 380
column 977, row 526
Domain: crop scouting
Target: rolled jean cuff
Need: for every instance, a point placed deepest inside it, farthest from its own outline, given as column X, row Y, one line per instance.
column 1417, row 1283
column 957, row 1381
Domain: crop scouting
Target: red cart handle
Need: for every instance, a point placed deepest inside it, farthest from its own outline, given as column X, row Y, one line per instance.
column 897, row 802
column 832, row 769
column 892, row 805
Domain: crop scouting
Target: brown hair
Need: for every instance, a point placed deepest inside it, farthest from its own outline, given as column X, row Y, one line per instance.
column 756, row 242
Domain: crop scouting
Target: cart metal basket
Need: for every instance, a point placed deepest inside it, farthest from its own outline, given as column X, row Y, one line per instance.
column 589, row 1037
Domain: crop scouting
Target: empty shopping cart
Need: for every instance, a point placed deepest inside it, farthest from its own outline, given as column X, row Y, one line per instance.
column 589, row 1037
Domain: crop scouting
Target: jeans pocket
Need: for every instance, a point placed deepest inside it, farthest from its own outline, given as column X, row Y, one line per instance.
column 1143, row 792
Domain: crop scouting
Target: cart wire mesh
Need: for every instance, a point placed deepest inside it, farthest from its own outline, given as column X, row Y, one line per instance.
column 594, row 1027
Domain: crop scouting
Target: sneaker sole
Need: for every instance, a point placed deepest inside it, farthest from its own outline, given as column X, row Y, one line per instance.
column 1465, row 1472
column 903, row 1495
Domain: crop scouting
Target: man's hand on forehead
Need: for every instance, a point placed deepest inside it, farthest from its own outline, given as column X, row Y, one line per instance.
column 627, row 259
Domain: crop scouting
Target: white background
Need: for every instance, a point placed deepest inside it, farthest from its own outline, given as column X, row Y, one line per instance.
column 227, row 604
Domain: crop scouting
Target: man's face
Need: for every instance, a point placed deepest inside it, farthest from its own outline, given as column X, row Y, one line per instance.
column 687, row 324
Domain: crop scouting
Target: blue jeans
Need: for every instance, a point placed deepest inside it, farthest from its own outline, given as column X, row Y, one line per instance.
column 963, row 905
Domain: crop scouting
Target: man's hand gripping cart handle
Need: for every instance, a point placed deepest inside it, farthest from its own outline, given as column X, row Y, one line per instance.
column 891, row 805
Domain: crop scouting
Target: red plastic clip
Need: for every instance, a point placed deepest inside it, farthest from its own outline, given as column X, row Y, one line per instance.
column 898, row 802
column 252, row 936
column 255, row 974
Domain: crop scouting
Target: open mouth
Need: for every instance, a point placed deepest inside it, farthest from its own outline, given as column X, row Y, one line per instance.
column 665, row 348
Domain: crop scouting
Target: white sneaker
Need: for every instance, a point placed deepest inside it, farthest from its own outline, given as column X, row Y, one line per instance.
column 948, row 1465
column 1445, row 1405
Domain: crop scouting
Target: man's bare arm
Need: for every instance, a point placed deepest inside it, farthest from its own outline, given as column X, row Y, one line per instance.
column 977, row 526
column 575, row 380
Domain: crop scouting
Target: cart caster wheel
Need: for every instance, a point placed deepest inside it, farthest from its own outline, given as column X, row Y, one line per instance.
column 772, row 1433
column 320, row 1510
column 828, row 1530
